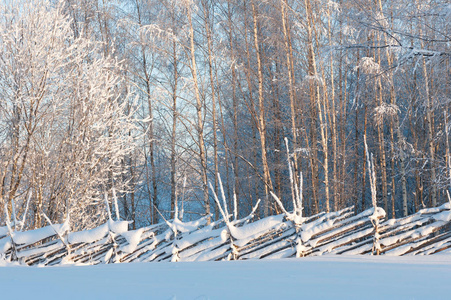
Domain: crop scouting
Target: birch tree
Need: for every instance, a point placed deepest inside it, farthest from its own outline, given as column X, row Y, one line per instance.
column 64, row 111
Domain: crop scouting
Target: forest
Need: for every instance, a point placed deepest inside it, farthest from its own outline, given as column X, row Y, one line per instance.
column 150, row 108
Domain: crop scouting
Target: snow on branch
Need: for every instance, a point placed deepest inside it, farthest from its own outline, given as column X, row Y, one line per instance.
column 385, row 110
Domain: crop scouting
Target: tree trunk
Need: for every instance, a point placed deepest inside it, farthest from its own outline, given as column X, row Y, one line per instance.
column 200, row 124
column 261, row 117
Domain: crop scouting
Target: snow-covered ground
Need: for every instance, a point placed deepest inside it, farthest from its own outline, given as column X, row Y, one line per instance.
column 327, row 277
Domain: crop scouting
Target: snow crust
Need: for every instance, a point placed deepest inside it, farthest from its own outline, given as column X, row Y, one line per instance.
column 188, row 226
column 33, row 236
column 89, row 236
column 3, row 231
column 133, row 238
column 253, row 229
column 5, row 244
column 197, row 236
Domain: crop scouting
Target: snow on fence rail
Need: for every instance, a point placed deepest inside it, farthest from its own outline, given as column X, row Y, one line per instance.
column 286, row 235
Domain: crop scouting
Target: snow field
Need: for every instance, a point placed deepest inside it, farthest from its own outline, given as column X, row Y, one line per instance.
column 327, row 277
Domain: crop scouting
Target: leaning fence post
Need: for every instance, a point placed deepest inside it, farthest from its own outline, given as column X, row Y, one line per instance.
column 376, row 249
column 13, row 256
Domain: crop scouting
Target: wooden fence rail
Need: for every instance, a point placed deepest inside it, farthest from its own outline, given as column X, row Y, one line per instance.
column 426, row 232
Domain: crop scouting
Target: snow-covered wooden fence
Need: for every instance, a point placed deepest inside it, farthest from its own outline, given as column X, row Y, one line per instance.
column 286, row 235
